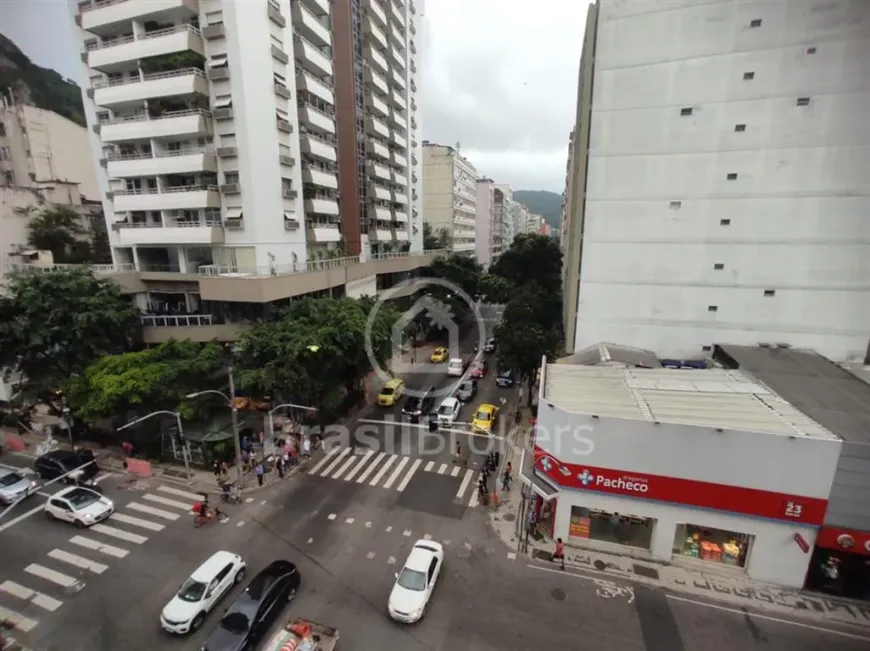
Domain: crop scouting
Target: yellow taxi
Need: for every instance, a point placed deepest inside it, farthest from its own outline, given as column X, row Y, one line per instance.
column 390, row 394
column 439, row 355
column 484, row 418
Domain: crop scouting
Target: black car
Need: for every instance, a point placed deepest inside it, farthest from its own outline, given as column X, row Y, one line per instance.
column 505, row 379
column 419, row 405
column 466, row 391
column 490, row 345
column 253, row 611
column 52, row 465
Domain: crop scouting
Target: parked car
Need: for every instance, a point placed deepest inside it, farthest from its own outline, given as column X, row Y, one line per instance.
column 505, row 379
column 251, row 615
column 201, row 592
column 56, row 463
column 81, row 506
column 490, row 345
column 448, row 412
column 420, row 405
column 466, row 391
column 478, row 369
column 416, row 582
column 390, row 394
column 14, row 486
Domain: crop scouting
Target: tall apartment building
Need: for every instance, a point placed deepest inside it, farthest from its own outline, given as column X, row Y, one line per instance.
column 450, row 195
column 501, row 201
column 251, row 152
column 484, row 235
column 721, row 176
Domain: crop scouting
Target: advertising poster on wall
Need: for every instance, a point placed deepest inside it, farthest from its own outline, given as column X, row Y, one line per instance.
column 579, row 527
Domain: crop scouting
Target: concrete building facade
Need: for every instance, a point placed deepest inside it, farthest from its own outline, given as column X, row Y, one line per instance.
column 484, row 237
column 450, row 195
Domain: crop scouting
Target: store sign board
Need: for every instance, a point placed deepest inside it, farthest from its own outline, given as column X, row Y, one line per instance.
column 802, row 543
column 688, row 492
column 579, row 527
column 844, row 540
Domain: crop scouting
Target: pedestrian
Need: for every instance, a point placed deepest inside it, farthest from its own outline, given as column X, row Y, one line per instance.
column 306, row 448
column 506, row 482
column 458, row 453
column 218, row 471
column 508, row 468
column 260, row 471
column 559, row 554
column 279, row 465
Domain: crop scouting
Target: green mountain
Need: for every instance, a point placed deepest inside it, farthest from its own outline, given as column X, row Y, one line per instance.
column 545, row 203
column 34, row 85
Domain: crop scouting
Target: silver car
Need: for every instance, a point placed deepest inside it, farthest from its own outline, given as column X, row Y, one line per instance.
column 14, row 485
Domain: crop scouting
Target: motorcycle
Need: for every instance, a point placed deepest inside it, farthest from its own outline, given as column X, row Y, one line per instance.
column 230, row 494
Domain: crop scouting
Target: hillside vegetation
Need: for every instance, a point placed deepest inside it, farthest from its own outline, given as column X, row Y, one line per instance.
column 543, row 202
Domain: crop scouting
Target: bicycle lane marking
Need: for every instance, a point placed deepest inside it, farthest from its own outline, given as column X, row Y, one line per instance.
column 605, row 589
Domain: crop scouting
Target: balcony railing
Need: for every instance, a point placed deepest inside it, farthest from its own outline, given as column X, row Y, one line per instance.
column 173, row 321
column 130, row 38
column 153, row 76
column 186, row 224
column 326, row 141
column 84, row 8
column 308, row 105
column 170, row 190
column 188, row 151
column 142, row 117
column 302, row 71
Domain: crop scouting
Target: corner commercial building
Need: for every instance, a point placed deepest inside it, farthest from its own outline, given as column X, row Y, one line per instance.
column 250, row 153
column 719, row 181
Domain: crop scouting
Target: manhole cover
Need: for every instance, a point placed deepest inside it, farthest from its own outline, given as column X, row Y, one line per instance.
column 464, row 550
column 600, row 565
column 649, row 572
column 557, row 594
column 509, row 517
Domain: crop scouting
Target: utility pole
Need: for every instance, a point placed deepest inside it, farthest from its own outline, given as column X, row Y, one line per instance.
column 235, row 416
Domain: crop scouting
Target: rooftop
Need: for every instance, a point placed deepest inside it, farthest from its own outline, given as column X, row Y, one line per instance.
column 726, row 399
column 607, row 353
column 833, row 396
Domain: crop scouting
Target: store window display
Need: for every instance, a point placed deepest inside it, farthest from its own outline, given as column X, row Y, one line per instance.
column 713, row 545
column 616, row 528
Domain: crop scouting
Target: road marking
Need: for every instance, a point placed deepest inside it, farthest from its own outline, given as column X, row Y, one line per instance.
column 23, row 471
column 347, row 464
column 359, row 466
column 426, row 427
column 474, row 501
column 101, row 477
column 407, row 478
column 248, row 500
column 43, row 494
column 466, row 480
column 331, row 516
column 445, row 543
column 402, row 463
column 108, row 550
column 167, row 502
column 512, row 556
column 769, row 618
column 26, row 594
column 455, row 471
column 370, row 555
column 406, row 532
column 388, row 529
column 20, row 622
column 120, row 534
column 150, row 510
column 59, row 578
column 429, row 466
column 137, row 522
column 21, row 517
column 391, row 560
column 442, row 469
column 179, row 493
column 77, row 561
column 371, row 467
column 349, row 521
column 337, row 460
column 263, row 503
column 383, row 470
column 240, row 523
column 324, row 461
column 368, row 525
column 310, row 540
column 427, row 537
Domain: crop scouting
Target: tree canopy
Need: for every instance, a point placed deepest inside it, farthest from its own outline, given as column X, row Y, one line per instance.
column 63, row 231
column 53, row 326
column 435, row 241
column 531, row 257
column 464, row 272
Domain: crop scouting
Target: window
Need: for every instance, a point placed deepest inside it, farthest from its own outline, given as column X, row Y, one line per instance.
column 803, row 101
column 281, row 79
column 740, row 128
column 2, row 129
column 706, row 349
column 718, row 266
column 686, row 111
column 5, row 153
column 755, row 22
column 770, row 292
column 8, row 177
column 748, row 76
column 712, row 308
column 724, row 222
column 231, row 177
column 811, row 50
column 732, row 176
column 676, row 204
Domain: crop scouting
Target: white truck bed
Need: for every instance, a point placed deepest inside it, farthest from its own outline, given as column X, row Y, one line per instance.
column 323, row 638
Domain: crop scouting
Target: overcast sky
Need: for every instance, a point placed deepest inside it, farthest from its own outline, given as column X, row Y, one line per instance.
column 498, row 76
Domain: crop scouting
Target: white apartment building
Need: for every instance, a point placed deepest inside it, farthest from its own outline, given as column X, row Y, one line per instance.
column 506, row 213
column 450, row 195
column 263, row 150
column 728, row 182
column 484, row 235
column 534, row 223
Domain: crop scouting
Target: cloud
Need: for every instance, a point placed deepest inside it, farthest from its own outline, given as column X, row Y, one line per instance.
column 500, row 77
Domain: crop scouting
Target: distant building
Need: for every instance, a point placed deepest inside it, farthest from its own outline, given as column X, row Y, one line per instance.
column 450, row 195
column 484, row 236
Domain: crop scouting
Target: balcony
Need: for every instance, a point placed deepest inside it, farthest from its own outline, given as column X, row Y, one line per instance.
column 380, row 213
column 381, row 234
column 317, row 7
column 167, row 125
column 398, row 58
column 376, row 127
column 191, row 197
column 109, row 16
column 378, row 61
column 377, row 105
column 283, row 125
column 399, row 139
column 203, row 233
column 213, row 31
column 398, row 160
column 117, row 54
column 189, row 81
column 372, row 78
column 324, row 205
column 376, row 33
column 400, row 179
column 400, row 197
column 281, row 90
column 398, row 38
column 378, row 149
column 397, row 14
column 320, row 178
column 398, row 120
column 398, row 77
column 324, row 233
column 400, row 216
column 315, row 86
column 398, row 100
column 402, row 235
column 379, row 192
column 376, row 11
column 314, row 146
column 308, row 26
column 315, row 119
column 186, row 161
column 311, row 58
column 379, row 171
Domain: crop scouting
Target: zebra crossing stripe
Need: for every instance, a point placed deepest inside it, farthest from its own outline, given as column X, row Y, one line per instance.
column 336, row 460
column 358, row 467
column 331, row 453
column 407, row 478
column 402, row 463
column 370, row 469
column 383, row 470
column 347, row 464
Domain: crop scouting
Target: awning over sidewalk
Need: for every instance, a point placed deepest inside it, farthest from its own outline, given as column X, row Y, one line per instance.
column 542, row 485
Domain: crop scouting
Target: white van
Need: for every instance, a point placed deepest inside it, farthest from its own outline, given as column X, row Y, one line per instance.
column 455, row 367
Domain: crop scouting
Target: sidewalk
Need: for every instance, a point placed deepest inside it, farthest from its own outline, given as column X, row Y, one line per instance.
column 706, row 584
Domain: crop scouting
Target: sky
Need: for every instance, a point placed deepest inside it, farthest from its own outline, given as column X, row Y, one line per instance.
column 499, row 77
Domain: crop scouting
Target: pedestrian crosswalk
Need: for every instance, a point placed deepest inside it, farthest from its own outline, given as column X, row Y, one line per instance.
column 391, row 471
column 45, row 583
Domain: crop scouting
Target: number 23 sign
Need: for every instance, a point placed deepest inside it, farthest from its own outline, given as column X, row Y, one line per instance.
column 793, row 510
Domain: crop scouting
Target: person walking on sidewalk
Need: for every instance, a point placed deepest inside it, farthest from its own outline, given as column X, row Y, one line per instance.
column 279, row 465
column 559, row 554
column 259, row 471
column 506, row 480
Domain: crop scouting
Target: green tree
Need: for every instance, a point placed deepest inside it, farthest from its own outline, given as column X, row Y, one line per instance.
column 146, row 380
column 462, row 271
column 435, row 242
column 61, row 230
column 54, row 325
column 531, row 257
column 495, row 289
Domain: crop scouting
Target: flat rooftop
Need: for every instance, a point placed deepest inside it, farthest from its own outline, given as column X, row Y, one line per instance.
column 726, row 399
column 831, row 395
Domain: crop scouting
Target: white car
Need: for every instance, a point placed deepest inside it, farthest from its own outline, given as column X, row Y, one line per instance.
column 448, row 412
column 81, row 506
column 455, row 367
column 416, row 581
column 208, row 584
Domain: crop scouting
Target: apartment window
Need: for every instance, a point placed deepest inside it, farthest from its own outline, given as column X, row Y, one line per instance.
column 676, row 204
column 732, row 176
column 803, row 101
column 719, row 266
column 712, row 308
column 231, row 177
column 770, row 292
column 686, row 111
column 755, row 22
column 5, row 154
column 748, row 76
column 724, row 222
column 2, row 129
column 281, row 79
column 739, row 128
column 706, row 349
column 811, row 50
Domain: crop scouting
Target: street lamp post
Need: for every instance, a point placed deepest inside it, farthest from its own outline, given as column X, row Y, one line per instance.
column 286, row 404
column 231, row 403
column 177, row 417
